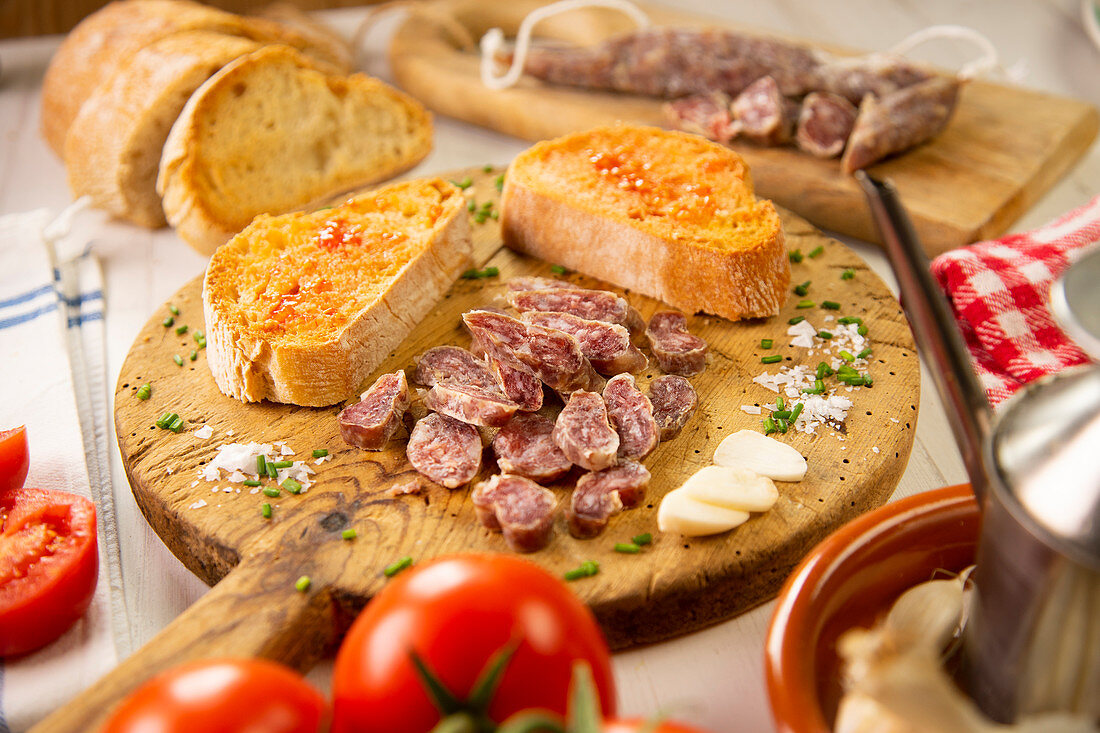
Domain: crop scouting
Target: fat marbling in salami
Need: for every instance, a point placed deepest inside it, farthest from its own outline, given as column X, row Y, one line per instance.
column 446, row 450
column 606, row 345
column 584, row 433
column 371, row 422
column 600, row 495
column 518, row 507
column 526, row 447
column 674, row 402
column 631, row 414
column 474, row 405
column 677, row 351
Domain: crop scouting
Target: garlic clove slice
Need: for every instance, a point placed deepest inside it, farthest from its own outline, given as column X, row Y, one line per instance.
column 757, row 452
column 732, row 488
column 680, row 512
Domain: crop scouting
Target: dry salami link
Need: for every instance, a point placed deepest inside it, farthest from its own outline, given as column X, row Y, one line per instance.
column 631, row 414
column 518, row 507
column 470, row 404
column 446, row 450
column 521, row 387
column 526, row 447
column 677, row 351
column 674, row 402
column 454, row 365
column 606, row 345
column 595, row 305
column 824, row 124
column 584, row 434
column 879, row 74
column 371, row 422
column 600, row 495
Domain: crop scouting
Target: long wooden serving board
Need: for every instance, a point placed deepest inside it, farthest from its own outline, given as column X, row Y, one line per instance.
column 1003, row 149
column 674, row 586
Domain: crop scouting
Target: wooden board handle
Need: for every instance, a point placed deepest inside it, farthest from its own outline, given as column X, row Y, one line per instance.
column 255, row 611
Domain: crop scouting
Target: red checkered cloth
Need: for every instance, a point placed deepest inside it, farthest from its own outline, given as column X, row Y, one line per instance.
column 1000, row 292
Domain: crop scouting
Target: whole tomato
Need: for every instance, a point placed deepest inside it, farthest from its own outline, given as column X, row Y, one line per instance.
column 222, row 696
column 14, row 458
column 48, row 565
column 455, row 613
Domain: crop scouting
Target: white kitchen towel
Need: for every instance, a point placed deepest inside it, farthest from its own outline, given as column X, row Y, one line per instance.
column 51, row 336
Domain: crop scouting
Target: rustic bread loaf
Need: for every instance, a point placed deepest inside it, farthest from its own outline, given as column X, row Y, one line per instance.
column 300, row 308
column 105, row 40
column 113, row 148
column 270, row 133
column 667, row 214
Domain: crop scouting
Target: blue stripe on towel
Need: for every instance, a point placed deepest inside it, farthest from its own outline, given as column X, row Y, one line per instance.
column 82, row 298
column 23, row 318
column 79, row 320
column 24, row 297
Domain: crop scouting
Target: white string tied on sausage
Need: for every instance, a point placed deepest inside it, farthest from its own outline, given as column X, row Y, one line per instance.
column 493, row 40
column 987, row 62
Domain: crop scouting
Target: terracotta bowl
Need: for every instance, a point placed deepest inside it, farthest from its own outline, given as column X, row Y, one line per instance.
column 850, row 580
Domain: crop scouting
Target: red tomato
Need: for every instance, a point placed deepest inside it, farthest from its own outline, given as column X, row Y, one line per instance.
column 638, row 725
column 14, row 458
column 456, row 612
column 222, row 696
column 48, row 565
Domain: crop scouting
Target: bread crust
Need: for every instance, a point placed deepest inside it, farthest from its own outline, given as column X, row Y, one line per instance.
column 113, row 148
column 252, row 368
column 185, row 180
column 739, row 283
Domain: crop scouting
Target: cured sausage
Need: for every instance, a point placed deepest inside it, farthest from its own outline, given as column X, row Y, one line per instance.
column 879, row 74
column 525, row 447
column 518, row 507
column 595, row 305
column 600, row 495
column 674, row 402
column 453, row 365
column 583, row 432
column 371, row 422
column 552, row 356
column 470, row 404
column 606, row 345
column 631, row 414
column 763, row 114
column 824, row 124
column 521, row 387
column 677, row 351
column 899, row 121
column 706, row 114
column 446, row 450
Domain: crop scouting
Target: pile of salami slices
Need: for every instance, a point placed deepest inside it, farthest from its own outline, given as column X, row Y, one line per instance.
column 551, row 389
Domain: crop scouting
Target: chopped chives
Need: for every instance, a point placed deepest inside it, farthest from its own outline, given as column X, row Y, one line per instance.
column 824, row 370
column 848, row 320
column 575, row 574
column 178, row 359
column 291, row 485
column 642, row 539
column 771, row 359
column 176, row 425
column 269, row 491
column 795, row 413
column 487, row 168
column 795, row 255
column 487, row 205
column 781, row 425
column 781, row 414
column 627, row 547
column 302, row 584
column 194, row 354
column 261, row 465
column 272, row 472
column 862, row 330
column 558, row 269
column 802, row 289
column 494, row 215
column 473, row 274
column 766, row 343
column 144, row 392
column 819, row 385
column 281, row 464
column 320, row 452
column 180, row 330
column 867, row 381
column 173, row 310
column 498, row 182
column 817, row 251
column 779, row 403
column 251, row 482
column 814, row 390
column 168, row 322
column 349, row 534
column 830, row 305
column 472, row 206
column 396, row 567
column 864, row 354
column 824, row 335
column 164, row 419
column 464, row 183
column 846, row 356
column 805, row 304
column 198, row 335
column 769, row 426
column 480, row 217
column 796, row 320
column 847, row 274
column 265, row 511
column 587, row 569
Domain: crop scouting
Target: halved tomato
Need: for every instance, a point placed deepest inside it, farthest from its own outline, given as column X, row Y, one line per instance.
column 48, row 565
column 14, row 458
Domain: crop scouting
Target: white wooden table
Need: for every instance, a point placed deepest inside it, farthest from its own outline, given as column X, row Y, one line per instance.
column 713, row 678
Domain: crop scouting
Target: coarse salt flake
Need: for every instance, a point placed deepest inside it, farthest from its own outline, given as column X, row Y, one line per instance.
column 751, row 409
column 204, row 432
column 197, row 504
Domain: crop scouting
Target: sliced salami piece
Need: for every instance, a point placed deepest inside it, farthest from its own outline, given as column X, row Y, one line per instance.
column 523, row 388
column 453, row 365
column 763, row 114
column 584, row 434
column 526, row 447
column 446, row 450
column 474, row 405
column 631, row 414
column 824, row 124
column 674, row 402
column 518, row 507
column 706, row 114
column 475, row 346
column 677, row 351
column 600, row 495
column 371, row 422
column 878, row 74
column 606, row 345
column 519, row 284
column 595, row 305
column 899, row 121
column 552, row 356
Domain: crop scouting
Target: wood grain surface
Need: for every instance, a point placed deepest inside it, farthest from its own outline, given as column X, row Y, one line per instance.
column 1003, row 149
column 674, row 586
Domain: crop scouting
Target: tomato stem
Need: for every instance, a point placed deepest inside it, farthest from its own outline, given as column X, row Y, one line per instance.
column 531, row 722
column 584, row 706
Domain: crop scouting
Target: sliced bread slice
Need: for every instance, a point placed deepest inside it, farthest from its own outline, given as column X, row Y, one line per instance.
column 667, row 214
column 106, row 39
column 271, row 133
column 300, row 308
column 113, row 148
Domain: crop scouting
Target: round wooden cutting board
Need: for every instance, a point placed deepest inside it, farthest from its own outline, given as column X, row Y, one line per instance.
column 673, row 586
